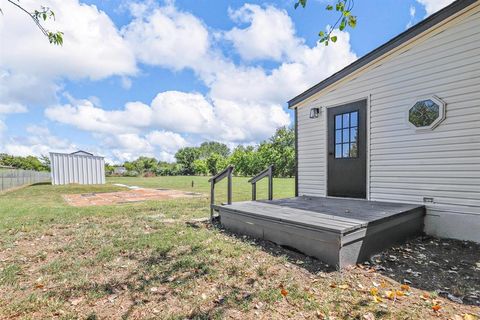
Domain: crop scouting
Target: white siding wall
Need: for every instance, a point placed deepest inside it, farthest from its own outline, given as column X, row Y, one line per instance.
column 77, row 168
column 406, row 165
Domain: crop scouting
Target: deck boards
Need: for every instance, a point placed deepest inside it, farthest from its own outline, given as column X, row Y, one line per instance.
column 367, row 211
column 296, row 216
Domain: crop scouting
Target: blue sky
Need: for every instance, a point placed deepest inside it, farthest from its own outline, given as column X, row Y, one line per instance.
column 148, row 77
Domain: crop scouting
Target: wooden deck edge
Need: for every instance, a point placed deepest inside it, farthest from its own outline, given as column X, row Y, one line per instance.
column 282, row 221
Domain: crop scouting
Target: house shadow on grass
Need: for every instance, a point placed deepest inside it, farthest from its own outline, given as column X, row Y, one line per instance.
column 450, row 268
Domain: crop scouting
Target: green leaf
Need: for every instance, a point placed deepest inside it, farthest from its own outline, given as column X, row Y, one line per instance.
column 334, row 39
column 343, row 24
column 329, row 7
column 352, row 21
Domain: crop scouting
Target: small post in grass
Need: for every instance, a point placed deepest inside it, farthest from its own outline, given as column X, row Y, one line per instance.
column 226, row 173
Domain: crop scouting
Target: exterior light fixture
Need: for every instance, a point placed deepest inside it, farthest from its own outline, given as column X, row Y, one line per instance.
column 314, row 112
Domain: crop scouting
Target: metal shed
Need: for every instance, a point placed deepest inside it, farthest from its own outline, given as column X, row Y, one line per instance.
column 78, row 167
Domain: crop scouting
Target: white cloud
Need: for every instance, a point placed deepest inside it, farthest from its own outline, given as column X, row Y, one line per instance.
column 31, row 68
column 12, row 108
column 269, row 35
column 250, row 92
column 168, row 141
column 167, row 37
column 39, row 141
column 84, row 115
column 93, row 47
column 183, row 112
column 412, row 11
column 244, row 102
column 432, row 6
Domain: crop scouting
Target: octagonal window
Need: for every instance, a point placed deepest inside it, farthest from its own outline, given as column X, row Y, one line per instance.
column 426, row 113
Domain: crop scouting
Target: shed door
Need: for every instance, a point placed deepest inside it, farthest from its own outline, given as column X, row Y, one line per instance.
column 347, row 156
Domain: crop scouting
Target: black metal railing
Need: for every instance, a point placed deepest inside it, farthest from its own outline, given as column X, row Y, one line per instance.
column 226, row 173
column 265, row 173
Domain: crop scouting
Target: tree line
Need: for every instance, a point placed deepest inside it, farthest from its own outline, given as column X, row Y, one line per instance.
column 211, row 157
column 27, row 163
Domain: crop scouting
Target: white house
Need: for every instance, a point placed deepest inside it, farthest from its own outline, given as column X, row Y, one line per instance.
column 402, row 124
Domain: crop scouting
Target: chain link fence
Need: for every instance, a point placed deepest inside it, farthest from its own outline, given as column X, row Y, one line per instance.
column 12, row 178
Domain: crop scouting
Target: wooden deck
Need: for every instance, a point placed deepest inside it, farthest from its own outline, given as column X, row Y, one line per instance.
column 338, row 231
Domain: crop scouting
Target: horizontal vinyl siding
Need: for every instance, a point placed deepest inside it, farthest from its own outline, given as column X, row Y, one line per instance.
column 406, row 165
column 311, row 152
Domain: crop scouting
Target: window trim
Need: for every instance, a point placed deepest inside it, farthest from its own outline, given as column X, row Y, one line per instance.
column 441, row 113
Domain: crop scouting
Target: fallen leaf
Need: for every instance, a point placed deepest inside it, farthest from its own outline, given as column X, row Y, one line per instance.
column 377, row 299
column 390, row 295
column 344, row 286
column 374, row 291
column 405, row 287
column 399, row 293
column 333, row 285
column 284, row 292
column 436, row 307
column 468, row 316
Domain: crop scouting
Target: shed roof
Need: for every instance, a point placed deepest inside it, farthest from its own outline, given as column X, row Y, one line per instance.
column 77, row 153
column 397, row 41
column 82, row 153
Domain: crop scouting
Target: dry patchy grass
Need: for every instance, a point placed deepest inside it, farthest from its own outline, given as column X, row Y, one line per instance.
column 144, row 261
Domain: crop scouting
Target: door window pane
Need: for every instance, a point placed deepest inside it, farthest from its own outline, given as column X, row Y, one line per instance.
column 353, row 150
column 353, row 134
column 345, row 136
column 338, row 136
column 338, row 121
column 346, row 150
column 346, row 120
column 338, row 151
column 354, row 119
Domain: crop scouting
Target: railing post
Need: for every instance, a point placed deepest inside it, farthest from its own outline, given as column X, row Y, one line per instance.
column 229, row 187
column 254, row 191
column 226, row 173
column 270, row 183
column 212, row 199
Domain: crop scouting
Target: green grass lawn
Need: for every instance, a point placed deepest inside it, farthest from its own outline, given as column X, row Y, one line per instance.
column 150, row 261
column 282, row 187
